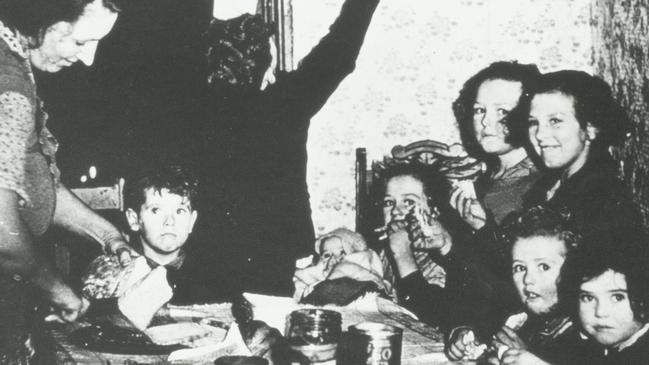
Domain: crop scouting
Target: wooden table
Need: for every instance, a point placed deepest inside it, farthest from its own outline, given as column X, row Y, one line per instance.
column 421, row 343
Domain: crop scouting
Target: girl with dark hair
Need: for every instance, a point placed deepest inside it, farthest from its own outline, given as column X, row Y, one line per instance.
column 606, row 289
column 573, row 121
column 489, row 103
column 423, row 246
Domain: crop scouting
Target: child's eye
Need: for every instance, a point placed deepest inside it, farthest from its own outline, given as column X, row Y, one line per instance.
column 478, row 110
column 502, row 112
column 618, row 297
column 410, row 203
column 586, row 298
column 555, row 121
column 181, row 211
column 518, row 268
column 533, row 122
column 544, row 267
column 155, row 210
column 388, row 203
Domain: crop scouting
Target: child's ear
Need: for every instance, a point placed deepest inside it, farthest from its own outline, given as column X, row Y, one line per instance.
column 194, row 216
column 133, row 219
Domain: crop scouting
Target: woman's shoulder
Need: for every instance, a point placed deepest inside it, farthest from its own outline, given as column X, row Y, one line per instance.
column 14, row 72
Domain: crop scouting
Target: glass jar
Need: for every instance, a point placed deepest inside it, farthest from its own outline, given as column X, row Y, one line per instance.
column 313, row 335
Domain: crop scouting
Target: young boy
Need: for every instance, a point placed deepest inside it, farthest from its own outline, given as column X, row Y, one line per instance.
column 541, row 241
column 161, row 217
column 607, row 283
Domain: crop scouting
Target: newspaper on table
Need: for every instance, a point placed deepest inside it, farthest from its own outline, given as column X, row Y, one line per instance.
column 422, row 344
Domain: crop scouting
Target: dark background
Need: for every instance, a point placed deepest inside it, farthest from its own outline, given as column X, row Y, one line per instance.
column 140, row 101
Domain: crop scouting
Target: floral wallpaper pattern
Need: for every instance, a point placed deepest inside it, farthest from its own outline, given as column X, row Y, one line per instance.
column 416, row 56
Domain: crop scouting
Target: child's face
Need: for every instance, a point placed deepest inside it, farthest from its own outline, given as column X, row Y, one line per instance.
column 332, row 251
column 605, row 311
column 401, row 194
column 536, row 265
column 164, row 221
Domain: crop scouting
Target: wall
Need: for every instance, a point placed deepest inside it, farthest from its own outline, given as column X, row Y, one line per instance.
column 621, row 56
column 415, row 58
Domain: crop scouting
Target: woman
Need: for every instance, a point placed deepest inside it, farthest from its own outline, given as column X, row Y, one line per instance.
column 423, row 246
column 47, row 35
column 488, row 102
column 573, row 121
column 270, row 176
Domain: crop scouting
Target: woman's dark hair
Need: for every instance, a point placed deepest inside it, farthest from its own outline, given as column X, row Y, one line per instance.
column 32, row 18
column 622, row 251
column 238, row 52
column 593, row 103
column 175, row 178
column 526, row 74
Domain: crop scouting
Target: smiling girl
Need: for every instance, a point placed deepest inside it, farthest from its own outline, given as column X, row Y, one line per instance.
column 573, row 123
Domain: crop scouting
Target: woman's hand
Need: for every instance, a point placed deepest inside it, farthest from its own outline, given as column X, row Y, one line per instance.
column 66, row 306
column 468, row 206
column 521, row 357
column 122, row 250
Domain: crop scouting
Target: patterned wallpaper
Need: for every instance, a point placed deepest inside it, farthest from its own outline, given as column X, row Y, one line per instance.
column 415, row 58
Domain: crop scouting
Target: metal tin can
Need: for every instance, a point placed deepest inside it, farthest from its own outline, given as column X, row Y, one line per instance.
column 370, row 343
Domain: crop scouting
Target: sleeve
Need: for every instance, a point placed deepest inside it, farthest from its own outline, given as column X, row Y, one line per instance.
column 323, row 69
column 16, row 127
column 430, row 303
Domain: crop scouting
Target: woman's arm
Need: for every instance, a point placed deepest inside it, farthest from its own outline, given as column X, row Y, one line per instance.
column 20, row 258
column 75, row 216
column 321, row 71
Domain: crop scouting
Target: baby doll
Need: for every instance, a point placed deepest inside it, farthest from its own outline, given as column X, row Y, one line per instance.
column 340, row 253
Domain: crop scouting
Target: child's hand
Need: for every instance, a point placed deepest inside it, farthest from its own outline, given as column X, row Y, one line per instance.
column 463, row 345
column 426, row 232
column 508, row 337
column 463, row 200
column 399, row 238
column 520, row 357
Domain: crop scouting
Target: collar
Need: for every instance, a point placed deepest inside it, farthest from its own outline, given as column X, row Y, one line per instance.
column 629, row 341
column 633, row 339
column 175, row 264
column 13, row 39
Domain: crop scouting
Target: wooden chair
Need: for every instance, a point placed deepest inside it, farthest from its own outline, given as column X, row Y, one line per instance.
column 106, row 200
column 450, row 160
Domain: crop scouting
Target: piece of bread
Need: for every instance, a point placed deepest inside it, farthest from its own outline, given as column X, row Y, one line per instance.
column 142, row 300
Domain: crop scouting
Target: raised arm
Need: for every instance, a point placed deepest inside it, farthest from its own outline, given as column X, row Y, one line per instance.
column 323, row 69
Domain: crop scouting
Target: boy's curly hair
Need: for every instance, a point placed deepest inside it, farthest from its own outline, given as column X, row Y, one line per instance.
column 175, row 178
column 541, row 221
